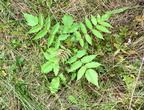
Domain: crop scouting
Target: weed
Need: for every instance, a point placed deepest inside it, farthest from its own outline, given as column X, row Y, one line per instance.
column 80, row 62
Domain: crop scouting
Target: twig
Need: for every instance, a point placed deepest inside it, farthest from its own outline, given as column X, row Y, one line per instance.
column 139, row 72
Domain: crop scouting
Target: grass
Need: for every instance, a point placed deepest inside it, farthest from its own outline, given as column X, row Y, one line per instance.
column 24, row 87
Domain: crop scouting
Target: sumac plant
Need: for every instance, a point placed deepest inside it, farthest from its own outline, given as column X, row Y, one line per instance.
column 70, row 59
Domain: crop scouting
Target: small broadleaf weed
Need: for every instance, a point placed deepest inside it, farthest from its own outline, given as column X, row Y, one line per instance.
column 81, row 64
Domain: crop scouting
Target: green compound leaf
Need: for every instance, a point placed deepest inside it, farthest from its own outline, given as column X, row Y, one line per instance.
column 81, row 72
column 106, row 24
column 78, row 35
column 48, row 56
column 55, row 29
column 102, row 28
column 106, row 16
column 83, row 28
column 40, row 19
column 72, row 99
column 35, row 29
column 41, row 34
column 88, row 23
column 47, row 24
column 67, row 20
column 31, row 20
column 92, row 77
column 63, row 37
column 50, row 40
column 52, row 50
column 57, row 43
column 56, row 69
column 92, row 65
column 72, row 59
column 88, row 39
column 75, row 66
column 54, row 85
column 60, row 38
column 81, row 41
column 63, row 78
column 47, row 67
column 98, row 18
column 73, row 76
column 74, row 28
column 81, row 53
column 87, row 59
column 94, row 20
column 65, row 29
column 118, row 10
column 97, row 34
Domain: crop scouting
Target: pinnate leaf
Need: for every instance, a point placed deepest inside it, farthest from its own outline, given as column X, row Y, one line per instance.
column 97, row 34
column 92, row 77
column 88, row 39
column 81, row 72
column 63, row 78
column 67, row 20
column 102, row 28
column 88, row 23
column 57, row 43
column 41, row 34
column 47, row 67
column 65, row 29
column 106, row 24
column 72, row 99
column 35, row 29
column 87, row 59
column 83, row 28
column 81, row 41
column 54, row 85
column 31, row 20
column 75, row 66
column 40, row 19
column 56, row 68
column 94, row 20
column 118, row 10
column 47, row 24
column 73, row 76
column 78, row 35
column 55, row 29
column 74, row 28
column 60, row 38
column 98, row 18
column 72, row 59
column 106, row 16
column 50, row 40
column 81, row 53
column 63, row 37
column 48, row 56
column 92, row 65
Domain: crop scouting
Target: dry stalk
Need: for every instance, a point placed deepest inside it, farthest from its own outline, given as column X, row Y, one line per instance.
column 139, row 72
